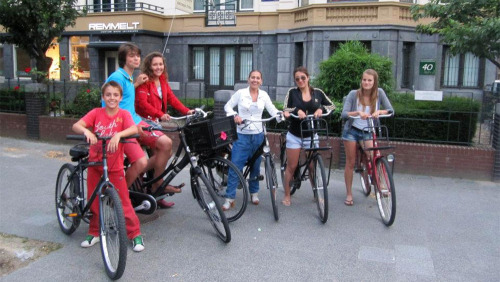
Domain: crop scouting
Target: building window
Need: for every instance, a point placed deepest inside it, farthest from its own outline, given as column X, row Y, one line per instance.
column 408, row 55
column 113, row 5
column 199, row 5
column 22, row 62
column 462, row 70
column 299, row 54
column 198, row 63
column 246, row 62
column 335, row 45
column 220, row 67
column 79, row 58
column 246, row 5
column 1, row 60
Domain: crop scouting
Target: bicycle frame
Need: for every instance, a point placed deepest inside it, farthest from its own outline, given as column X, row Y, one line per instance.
column 376, row 149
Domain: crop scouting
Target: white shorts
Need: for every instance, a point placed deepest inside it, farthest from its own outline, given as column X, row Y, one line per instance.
column 294, row 142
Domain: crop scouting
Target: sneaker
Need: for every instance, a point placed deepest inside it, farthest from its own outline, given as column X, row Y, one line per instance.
column 89, row 241
column 138, row 244
column 254, row 197
column 229, row 203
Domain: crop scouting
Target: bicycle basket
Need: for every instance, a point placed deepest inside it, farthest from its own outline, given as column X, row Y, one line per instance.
column 210, row 134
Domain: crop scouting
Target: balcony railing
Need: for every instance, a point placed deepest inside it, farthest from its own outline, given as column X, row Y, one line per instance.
column 120, row 7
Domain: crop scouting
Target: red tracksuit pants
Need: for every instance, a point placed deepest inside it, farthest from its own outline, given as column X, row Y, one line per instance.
column 118, row 180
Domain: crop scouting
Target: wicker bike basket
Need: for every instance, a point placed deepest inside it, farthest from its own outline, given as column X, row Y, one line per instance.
column 210, row 134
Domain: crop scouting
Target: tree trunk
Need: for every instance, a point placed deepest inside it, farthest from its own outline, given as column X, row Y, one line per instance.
column 43, row 64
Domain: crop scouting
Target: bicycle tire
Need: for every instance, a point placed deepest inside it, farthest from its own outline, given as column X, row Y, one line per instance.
column 283, row 164
column 366, row 184
column 320, row 188
column 113, row 233
column 294, row 182
column 216, row 170
column 385, row 192
column 272, row 185
column 210, row 205
column 66, row 194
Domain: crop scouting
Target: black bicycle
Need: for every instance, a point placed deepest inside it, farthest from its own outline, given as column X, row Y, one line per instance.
column 196, row 135
column 73, row 205
column 270, row 171
column 313, row 168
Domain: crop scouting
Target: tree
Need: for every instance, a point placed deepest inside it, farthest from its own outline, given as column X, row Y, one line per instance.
column 466, row 25
column 342, row 72
column 34, row 24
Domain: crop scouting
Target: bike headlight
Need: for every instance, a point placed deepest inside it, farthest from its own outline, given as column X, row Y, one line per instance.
column 266, row 149
column 390, row 158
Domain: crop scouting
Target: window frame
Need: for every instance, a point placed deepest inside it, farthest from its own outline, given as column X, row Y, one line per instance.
column 461, row 71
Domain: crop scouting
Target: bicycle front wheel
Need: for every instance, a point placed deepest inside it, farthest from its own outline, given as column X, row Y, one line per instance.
column 113, row 234
column 385, row 192
column 67, row 191
column 208, row 201
column 366, row 184
column 272, row 184
column 216, row 170
column 320, row 189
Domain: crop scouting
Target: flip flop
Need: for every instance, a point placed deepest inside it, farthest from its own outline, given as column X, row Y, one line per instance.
column 176, row 189
column 348, row 203
column 286, row 203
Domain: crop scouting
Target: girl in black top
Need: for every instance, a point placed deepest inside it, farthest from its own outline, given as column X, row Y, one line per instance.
column 301, row 101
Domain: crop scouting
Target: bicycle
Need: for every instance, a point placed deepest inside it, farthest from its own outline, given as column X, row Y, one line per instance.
column 313, row 162
column 72, row 205
column 377, row 172
column 201, row 187
column 265, row 151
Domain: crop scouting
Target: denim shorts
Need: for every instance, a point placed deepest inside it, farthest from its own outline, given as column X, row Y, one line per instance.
column 294, row 142
column 355, row 134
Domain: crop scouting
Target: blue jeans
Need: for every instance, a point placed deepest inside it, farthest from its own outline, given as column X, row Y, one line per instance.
column 243, row 150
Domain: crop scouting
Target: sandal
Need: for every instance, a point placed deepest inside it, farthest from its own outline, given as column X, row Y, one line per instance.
column 348, row 203
column 171, row 189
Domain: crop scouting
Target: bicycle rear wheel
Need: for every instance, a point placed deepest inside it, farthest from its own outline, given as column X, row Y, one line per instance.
column 208, row 201
column 320, row 189
column 385, row 192
column 216, row 170
column 113, row 234
column 272, row 184
column 366, row 184
column 67, row 191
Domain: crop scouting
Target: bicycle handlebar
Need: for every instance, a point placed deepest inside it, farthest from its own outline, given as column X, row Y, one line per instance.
column 277, row 117
column 199, row 112
column 312, row 116
column 380, row 116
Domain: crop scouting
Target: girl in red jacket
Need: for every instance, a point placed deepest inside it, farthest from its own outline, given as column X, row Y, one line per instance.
column 151, row 101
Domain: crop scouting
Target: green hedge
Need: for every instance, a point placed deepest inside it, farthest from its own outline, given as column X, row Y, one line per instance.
column 451, row 121
column 12, row 101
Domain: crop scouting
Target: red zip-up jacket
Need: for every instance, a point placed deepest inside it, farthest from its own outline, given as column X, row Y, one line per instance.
column 148, row 103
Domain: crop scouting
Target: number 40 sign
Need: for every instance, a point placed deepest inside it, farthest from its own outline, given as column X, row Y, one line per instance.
column 427, row 67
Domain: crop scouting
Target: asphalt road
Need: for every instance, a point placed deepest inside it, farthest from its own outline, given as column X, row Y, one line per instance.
column 445, row 230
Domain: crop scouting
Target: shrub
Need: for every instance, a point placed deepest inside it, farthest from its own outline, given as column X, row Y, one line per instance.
column 451, row 121
column 86, row 100
column 12, row 101
column 342, row 72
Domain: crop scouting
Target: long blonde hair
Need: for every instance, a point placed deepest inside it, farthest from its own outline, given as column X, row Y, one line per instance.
column 373, row 91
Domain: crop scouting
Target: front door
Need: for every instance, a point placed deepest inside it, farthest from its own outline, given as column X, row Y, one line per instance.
column 221, row 69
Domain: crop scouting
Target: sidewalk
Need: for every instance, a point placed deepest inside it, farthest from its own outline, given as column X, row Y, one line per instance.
column 445, row 230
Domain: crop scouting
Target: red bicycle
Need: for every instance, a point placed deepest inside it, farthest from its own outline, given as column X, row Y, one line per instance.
column 374, row 169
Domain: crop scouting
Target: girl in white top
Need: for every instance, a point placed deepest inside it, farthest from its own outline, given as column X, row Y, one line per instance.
column 251, row 102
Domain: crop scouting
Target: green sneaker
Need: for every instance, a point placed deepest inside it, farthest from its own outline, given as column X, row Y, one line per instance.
column 89, row 241
column 138, row 244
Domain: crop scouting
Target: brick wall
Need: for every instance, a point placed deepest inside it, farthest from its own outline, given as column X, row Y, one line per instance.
column 413, row 158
